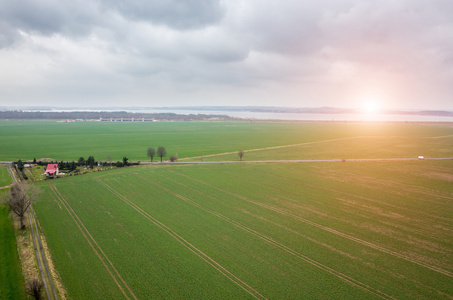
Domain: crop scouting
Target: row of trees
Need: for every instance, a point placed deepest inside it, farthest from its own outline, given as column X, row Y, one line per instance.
column 72, row 165
column 90, row 162
column 161, row 152
column 19, row 198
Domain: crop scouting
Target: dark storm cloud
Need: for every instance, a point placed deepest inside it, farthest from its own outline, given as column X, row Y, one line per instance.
column 79, row 18
column 45, row 17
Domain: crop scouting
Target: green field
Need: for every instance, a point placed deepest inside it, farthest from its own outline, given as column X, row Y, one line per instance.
column 340, row 230
column 365, row 147
column 68, row 141
column 11, row 282
column 291, row 231
column 4, row 176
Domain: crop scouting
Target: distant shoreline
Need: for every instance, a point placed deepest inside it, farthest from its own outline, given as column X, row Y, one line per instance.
column 247, row 114
column 254, row 109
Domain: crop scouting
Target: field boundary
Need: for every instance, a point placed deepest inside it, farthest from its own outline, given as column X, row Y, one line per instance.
column 275, row 147
column 307, row 143
column 41, row 260
column 284, row 161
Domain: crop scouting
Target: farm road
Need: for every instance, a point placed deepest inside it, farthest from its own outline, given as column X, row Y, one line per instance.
column 37, row 245
column 297, row 161
column 278, row 147
column 306, row 143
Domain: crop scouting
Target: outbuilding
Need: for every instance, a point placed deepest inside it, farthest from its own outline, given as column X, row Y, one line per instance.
column 52, row 170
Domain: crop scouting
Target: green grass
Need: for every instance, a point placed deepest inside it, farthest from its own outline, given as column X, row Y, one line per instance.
column 5, row 179
column 11, row 281
column 68, row 141
column 359, row 147
column 36, row 173
column 292, row 231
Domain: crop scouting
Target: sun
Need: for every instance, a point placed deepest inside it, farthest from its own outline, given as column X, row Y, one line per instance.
column 370, row 104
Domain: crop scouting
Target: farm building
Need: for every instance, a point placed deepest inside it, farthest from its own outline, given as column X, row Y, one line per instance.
column 52, row 170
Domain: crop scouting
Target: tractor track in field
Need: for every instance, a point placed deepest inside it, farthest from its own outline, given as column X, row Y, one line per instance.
column 43, row 266
column 370, row 200
column 277, row 244
column 325, row 228
column 92, row 242
column 426, row 233
column 302, row 144
column 275, row 147
column 235, row 279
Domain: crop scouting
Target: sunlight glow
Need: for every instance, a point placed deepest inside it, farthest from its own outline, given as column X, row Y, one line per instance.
column 370, row 104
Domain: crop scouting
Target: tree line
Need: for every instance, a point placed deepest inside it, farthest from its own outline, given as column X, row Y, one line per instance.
column 81, row 162
column 92, row 115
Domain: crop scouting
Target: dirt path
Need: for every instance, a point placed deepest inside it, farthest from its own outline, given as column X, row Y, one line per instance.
column 441, row 137
column 6, row 186
column 274, row 147
column 302, row 144
column 40, row 254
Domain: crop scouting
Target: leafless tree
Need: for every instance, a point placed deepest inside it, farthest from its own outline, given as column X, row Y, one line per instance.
column 151, row 152
column 173, row 158
column 161, row 152
column 19, row 198
column 109, row 159
column 34, row 289
column 241, row 154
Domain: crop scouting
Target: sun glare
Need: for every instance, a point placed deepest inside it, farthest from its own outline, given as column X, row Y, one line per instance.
column 370, row 105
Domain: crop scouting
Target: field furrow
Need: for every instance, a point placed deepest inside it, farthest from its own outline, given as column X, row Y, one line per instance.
column 331, row 230
column 269, row 240
column 252, row 231
column 95, row 246
column 253, row 292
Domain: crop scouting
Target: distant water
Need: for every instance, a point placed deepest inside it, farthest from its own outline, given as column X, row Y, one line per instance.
column 296, row 116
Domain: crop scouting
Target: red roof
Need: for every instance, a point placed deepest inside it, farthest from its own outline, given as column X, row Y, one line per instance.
column 51, row 168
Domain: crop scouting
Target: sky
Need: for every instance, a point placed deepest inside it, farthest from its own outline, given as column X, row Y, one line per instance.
column 386, row 54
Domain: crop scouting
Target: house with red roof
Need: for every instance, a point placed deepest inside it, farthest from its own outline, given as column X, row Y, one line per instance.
column 52, row 170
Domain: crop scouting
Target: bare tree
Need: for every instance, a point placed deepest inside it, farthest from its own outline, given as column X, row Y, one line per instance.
column 241, row 154
column 151, row 152
column 109, row 159
column 19, row 198
column 161, row 152
column 34, row 289
column 173, row 158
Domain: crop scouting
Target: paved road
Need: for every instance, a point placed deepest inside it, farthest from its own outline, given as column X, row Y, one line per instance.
column 298, row 161
column 285, row 161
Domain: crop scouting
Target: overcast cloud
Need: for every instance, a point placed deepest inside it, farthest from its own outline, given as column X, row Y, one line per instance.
column 245, row 52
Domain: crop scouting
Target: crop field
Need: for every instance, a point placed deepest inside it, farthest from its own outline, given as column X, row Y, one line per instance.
column 11, row 282
column 68, row 141
column 4, row 176
column 361, row 147
column 353, row 230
